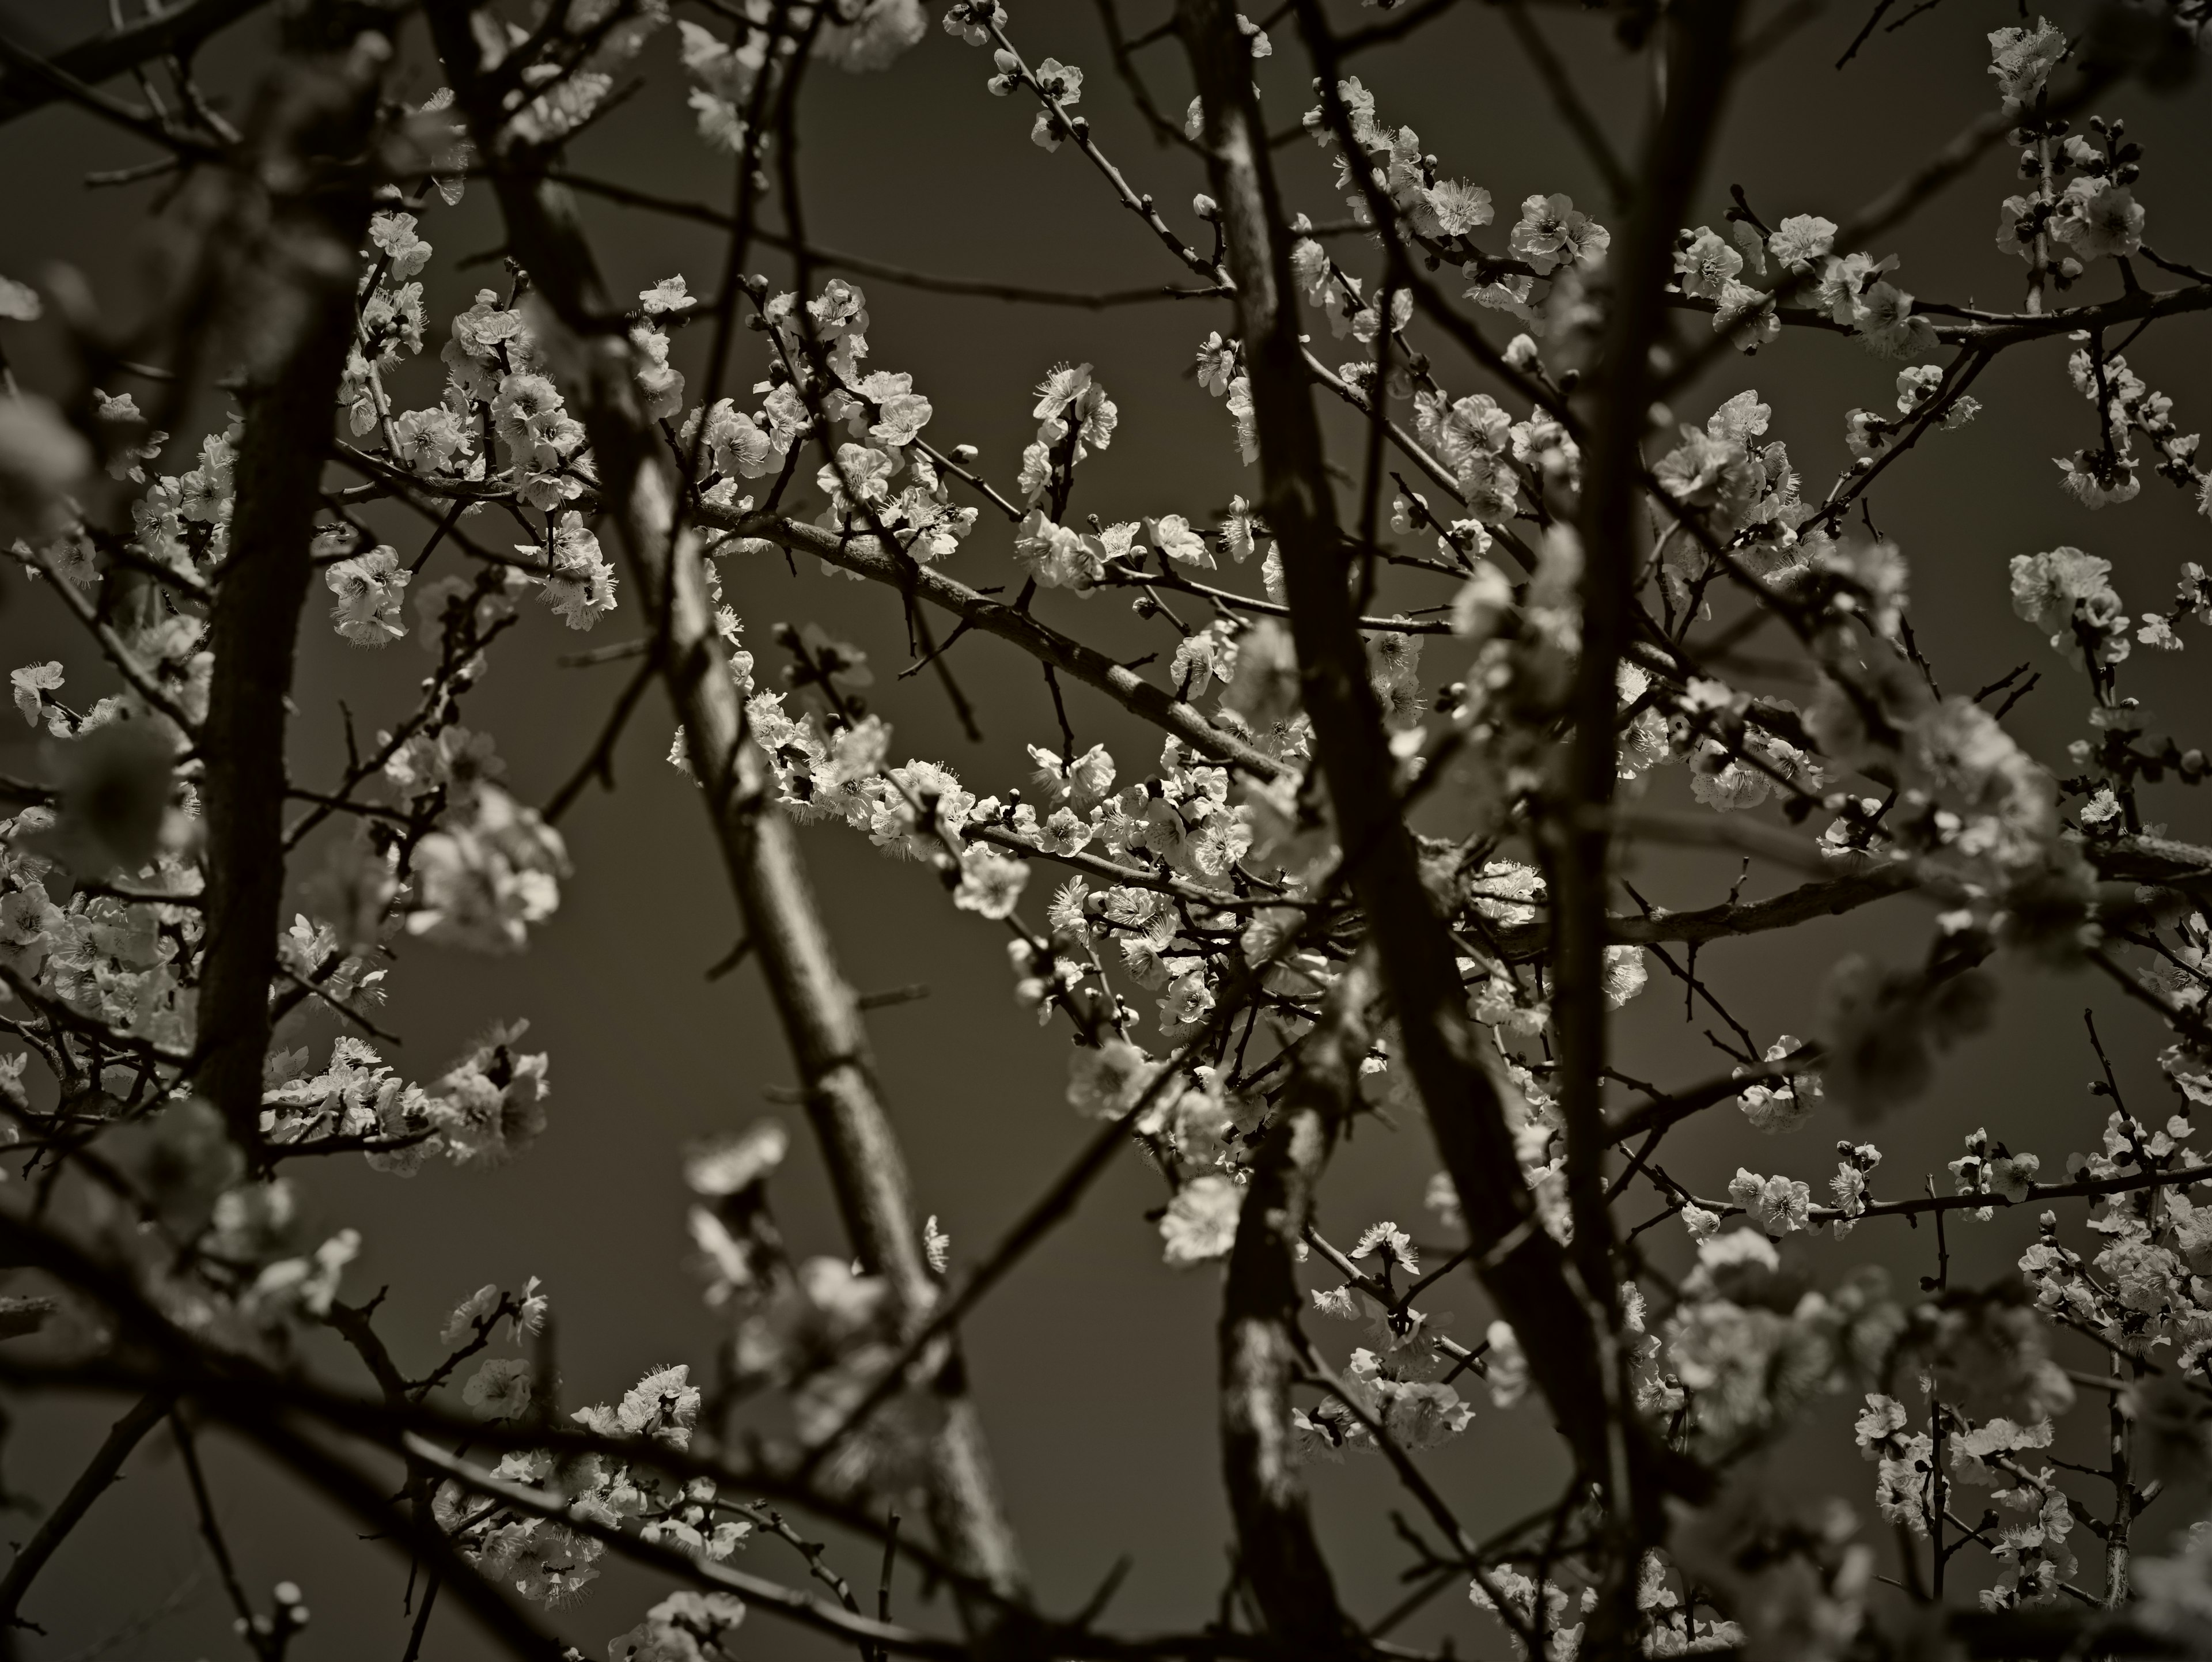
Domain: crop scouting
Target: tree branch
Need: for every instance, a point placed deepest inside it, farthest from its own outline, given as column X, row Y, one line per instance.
column 866, row 557
column 816, row 1005
column 177, row 32
column 112, row 646
column 106, row 1466
column 1572, row 111
column 878, row 270
column 1455, row 1063
column 316, row 116
column 1578, row 834
column 1260, row 1343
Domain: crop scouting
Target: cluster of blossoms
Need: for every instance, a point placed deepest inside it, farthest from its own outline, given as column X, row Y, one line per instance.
column 883, row 480
column 2109, row 472
column 1393, row 1385
column 2093, row 215
column 1868, row 434
column 1741, row 1347
column 2143, row 1291
column 1075, row 416
column 1992, row 1395
column 2080, row 207
column 1973, row 811
column 817, row 1330
column 1747, row 276
column 486, row 1109
column 539, row 1550
column 487, row 868
column 125, row 965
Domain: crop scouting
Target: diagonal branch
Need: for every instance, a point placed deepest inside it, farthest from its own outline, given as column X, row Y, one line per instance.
column 104, row 1467
column 819, row 1012
column 32, row 69
column 211, row 1531
column 117, row 651
column 1454, row 1061
column 866, row 557
column 499, row 1612
column 801, row 1608
column 178, row 31
column 1619, row 188
column 1023, row 294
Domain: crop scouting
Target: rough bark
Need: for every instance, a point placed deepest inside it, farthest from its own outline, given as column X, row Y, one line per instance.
column 1260, row 1345
column 816, row 1005
column 296, row 270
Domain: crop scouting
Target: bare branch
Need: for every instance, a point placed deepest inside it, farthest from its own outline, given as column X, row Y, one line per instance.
column 104, row 1467
column 32, row 70
column 1569, row 103
column 178, row 31
column 878, row 270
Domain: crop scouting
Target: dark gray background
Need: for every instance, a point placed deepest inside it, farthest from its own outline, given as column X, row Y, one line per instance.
column 1093, row 1364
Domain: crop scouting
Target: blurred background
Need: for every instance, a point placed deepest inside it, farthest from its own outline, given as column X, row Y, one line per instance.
column 1093, row 1364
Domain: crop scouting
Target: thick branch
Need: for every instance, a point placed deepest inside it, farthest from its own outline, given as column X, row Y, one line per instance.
column 819, row 1012
column 1260, row 1341
column 1699, row 40
column 1830, row 898
column 2183, row 866
column 1461, row 1077
column 178, row 31
column 316, row 116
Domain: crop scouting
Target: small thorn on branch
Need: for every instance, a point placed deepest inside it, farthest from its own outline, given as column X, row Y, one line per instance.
column 730, row 960
column 890, row 995
column 606, row 655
